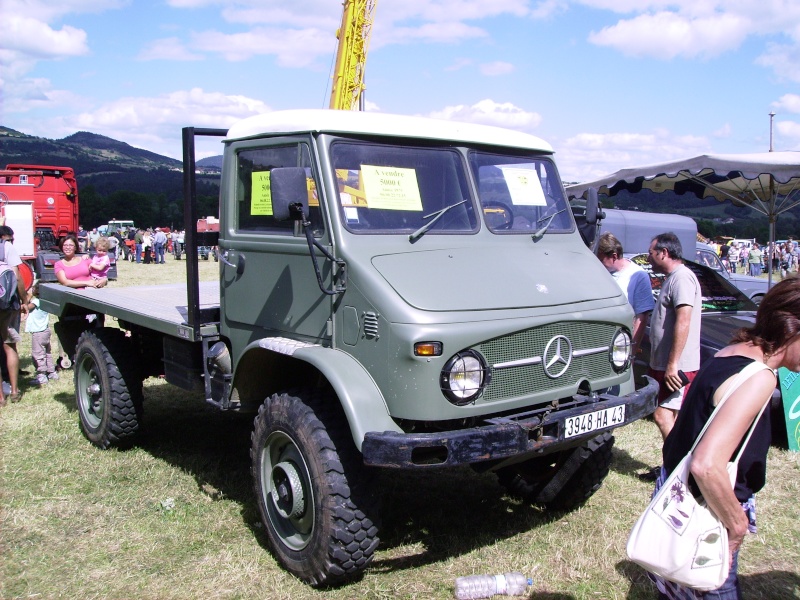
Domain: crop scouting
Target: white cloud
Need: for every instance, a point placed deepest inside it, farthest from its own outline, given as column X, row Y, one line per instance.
column 789, row 134
column 489, row 112
column 292, row 47
column 21, row 95
column 789, row 103
column 29, row 37
column 447, row 10
column 449, row 32
column 308, row 14
column 396, row 21
column 548, row 8
column 666, row 35
column 35, row 38
column 439, row 21
column 667, row 29
column 589, row 156
column 783, row 59
column 155, row 123
column 48, row 11
column 496, row 68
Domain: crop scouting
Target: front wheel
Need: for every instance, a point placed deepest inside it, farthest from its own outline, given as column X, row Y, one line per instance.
column 108, row 389
column 562, row 480
column 314, row 495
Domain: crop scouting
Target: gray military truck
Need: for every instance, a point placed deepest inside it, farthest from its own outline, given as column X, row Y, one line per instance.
column 394, row 293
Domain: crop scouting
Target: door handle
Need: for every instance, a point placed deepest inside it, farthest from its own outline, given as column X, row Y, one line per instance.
column 239, row 266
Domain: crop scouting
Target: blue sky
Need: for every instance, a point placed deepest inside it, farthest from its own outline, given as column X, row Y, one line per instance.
column 609, row 83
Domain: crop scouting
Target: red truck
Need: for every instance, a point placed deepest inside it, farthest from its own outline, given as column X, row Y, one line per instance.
column 40, row 203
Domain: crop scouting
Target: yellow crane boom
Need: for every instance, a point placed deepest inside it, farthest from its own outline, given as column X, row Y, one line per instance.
column 351, row 55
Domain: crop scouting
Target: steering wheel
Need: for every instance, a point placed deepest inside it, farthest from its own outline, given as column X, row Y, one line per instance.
column 498, row 215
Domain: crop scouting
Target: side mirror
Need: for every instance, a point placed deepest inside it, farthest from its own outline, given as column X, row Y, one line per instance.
column 593, row 210
column 288, row 192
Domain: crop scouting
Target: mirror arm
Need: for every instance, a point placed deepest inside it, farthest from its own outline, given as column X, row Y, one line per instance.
column 341, row 273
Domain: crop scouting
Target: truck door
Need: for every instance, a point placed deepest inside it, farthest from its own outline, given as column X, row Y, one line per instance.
column 268, row 284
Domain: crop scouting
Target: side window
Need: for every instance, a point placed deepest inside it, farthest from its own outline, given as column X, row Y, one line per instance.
column 254, row 212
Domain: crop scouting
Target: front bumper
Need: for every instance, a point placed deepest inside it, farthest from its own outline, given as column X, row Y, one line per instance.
column 539, row 431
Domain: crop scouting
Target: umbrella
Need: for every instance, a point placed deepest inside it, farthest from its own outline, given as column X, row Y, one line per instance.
column 768, row 182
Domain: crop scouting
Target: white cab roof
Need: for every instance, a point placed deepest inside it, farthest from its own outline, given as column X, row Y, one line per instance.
column 373, row 123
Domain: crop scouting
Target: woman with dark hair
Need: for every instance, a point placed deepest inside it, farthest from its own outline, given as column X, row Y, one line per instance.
column 775, row 341
column 73, row 270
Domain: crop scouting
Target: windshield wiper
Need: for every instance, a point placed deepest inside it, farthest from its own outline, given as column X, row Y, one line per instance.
column 539, row 233
column 436, row 216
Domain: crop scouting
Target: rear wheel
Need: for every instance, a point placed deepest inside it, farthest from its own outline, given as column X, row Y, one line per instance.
column 108, row 389
column 314, row 495
column 563, row 480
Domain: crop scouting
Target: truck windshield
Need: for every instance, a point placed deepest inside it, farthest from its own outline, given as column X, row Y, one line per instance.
column 387, row 188
column 520, row 194
column 398, row 189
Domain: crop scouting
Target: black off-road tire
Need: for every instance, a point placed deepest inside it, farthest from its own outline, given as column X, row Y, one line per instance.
column 315, row 497
column 108, row 388
column 537, row 480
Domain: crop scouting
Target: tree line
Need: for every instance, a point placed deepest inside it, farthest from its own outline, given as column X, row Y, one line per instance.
column 152, row 198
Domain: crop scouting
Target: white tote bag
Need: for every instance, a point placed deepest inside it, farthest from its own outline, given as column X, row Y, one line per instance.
column 678, row 537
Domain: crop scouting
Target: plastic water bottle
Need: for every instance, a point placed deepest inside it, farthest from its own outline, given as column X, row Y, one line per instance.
column 486, row 586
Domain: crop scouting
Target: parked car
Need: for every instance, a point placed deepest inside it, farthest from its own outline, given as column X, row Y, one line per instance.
column 753, row 287
column 726, row 309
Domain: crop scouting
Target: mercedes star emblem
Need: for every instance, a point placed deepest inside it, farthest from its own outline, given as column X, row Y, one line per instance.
column 557, row 356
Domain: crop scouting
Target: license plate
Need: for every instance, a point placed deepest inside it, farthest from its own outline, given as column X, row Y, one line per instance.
column 599, row 419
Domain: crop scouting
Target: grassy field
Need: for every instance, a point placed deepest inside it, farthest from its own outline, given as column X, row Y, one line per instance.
column 175, row 516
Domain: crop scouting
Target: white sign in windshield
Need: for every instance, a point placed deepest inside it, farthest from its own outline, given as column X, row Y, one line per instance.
column 524, row 186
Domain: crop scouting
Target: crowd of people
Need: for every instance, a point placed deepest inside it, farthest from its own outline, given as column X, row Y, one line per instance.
column 754, row 259
column 142, row 246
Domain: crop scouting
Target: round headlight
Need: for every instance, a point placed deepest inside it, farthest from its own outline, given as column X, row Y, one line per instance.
column 620, row 353
column 464, row 377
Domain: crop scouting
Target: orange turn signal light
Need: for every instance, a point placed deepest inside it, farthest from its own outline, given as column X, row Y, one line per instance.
column 428, row 349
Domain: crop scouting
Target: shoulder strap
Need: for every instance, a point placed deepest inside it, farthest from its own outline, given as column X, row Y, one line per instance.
column 743, row 376
column 3, row 251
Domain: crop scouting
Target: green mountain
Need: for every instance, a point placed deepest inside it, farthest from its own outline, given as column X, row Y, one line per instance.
column 83, row 151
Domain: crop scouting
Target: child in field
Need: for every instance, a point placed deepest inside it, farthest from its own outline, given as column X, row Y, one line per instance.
column 38, row 325
column 100, row 262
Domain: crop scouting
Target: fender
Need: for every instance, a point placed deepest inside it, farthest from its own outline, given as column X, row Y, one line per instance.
column 361, row 399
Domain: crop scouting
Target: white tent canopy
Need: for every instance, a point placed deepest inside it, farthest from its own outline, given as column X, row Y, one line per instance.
column 768, row 182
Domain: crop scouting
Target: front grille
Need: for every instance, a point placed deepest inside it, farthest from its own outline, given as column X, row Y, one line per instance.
column 529, row 344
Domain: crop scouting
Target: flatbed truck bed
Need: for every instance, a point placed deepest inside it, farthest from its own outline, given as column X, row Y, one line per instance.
column 161, row 308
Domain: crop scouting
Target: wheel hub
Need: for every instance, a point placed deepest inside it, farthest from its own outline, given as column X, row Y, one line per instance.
column 93, row 393
column 287, row 491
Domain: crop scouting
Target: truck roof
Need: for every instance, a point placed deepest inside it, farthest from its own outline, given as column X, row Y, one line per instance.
column 374, row 123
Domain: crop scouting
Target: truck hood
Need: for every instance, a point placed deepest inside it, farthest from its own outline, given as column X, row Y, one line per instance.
column 717, row 329
column 494, row 278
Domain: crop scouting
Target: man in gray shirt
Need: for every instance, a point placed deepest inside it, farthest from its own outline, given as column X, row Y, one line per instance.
column 674, row 328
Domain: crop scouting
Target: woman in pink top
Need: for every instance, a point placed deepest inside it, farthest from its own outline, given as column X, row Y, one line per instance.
column 73, row 270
